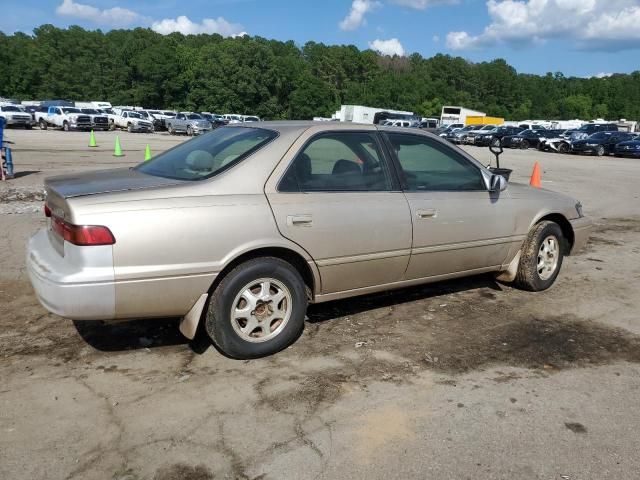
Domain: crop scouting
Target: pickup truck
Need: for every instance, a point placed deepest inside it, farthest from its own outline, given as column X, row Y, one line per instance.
column 132, row 121
column 13, row 115
column 66, row 118
column 99, row 121
column 189, row 123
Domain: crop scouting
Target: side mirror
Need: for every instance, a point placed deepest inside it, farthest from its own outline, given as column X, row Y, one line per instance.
column 498, row 183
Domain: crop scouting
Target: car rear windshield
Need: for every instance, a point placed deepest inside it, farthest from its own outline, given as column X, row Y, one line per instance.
column 194, row 116
column 208, row 155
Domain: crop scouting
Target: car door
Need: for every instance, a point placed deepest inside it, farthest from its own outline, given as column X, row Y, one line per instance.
column 181, row 123
column 458, row 225
column 339, row 199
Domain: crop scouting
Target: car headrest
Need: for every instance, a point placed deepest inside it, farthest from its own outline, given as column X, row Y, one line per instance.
column 345, row 166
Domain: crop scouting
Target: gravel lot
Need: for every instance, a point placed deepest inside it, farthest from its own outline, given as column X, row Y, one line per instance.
column 462, row 379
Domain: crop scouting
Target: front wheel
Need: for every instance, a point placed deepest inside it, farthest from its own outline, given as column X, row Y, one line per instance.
column 43, row 124
column 190, row 131
column 65, row 126
column 541, row 258
column 258, row 309
column 129, row 128
column 563, row 148
column 524, row 145
column 600, row 150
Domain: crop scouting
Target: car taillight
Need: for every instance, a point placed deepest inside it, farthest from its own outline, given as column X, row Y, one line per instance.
column 82, row 235
column 47, row 211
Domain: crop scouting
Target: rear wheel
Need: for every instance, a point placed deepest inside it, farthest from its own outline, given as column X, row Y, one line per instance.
column 28, row 127
column 600, row 150
column 190, row 131
column 43, row 124
column 525, row 144
column 541, row 258
column 258, row 309
column 112, row 125
column 170, row 130
column 563, row 148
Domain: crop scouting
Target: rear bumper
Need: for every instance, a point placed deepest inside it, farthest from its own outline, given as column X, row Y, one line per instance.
column 79, row 286
column 581, row 231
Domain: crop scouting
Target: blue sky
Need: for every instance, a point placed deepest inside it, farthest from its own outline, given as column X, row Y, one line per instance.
column 576, row 37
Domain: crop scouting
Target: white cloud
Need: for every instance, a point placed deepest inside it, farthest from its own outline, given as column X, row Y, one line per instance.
column 185, row 26
column 356, row 16
column 597, row 24
column 423, row 4
column 115, row 16
column 388, row 47
column 602, row 75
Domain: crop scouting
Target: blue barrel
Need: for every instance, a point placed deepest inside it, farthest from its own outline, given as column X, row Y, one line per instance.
column 1, row 130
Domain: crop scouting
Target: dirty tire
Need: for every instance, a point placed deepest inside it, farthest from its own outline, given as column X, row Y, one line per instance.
column 218, row 318
column 527, row 277
column 43, row 125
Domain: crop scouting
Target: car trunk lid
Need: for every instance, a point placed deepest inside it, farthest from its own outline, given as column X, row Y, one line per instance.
column 104, row 181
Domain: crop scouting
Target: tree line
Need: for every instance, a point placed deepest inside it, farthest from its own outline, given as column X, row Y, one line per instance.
column 280, row 80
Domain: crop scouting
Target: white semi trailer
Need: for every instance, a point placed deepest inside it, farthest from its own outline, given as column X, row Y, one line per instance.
column 451, row 114
column 362, row 114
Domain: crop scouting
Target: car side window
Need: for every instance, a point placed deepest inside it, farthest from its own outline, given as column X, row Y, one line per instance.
column 428, row 165
column 335, row 162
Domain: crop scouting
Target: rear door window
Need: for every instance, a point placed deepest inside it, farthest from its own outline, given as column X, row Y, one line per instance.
column 335, row 162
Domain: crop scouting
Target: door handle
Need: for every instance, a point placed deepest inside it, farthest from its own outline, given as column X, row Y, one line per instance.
column 429, row 213
column 299, row 220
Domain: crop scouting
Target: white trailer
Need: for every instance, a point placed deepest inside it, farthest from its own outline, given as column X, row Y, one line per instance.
column 451, row 114
column 362, row 114
column 94, row 104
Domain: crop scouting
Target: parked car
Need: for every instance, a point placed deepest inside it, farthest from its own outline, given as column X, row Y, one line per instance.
column 600, row 143
column 232, row 118
column 525, row 139
column 590, row 128
column 628, row 148
column 470, row 137
column 240, row 229
column 150, row 116
column 14, row 116
column 99, row 121
column 560, row 142
column 250, row 118
column 189, row 123
column 444, row 130
column 532, row 126
column 549, row 135
column 215, row 120
column 495, row 136
column 66, row 118
column 131, row 121
column 456, row 136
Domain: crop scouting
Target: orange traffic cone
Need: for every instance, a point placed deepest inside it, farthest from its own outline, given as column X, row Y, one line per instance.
column 535, row 176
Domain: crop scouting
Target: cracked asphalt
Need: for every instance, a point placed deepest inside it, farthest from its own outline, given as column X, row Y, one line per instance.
column 468, row 379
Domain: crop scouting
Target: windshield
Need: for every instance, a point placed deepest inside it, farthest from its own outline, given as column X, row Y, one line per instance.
column 134, row 115
column 169, row 114
column 194, row 116
column 89, row 110
column 208, row 155
column 71, row 110
column 586, row 128
column 9, row 108
column 488, row 127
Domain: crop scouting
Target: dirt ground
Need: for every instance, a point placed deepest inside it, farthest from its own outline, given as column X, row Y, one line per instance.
column 467, row 379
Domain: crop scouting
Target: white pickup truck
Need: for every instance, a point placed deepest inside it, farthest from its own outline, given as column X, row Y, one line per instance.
column 132, row 121
column 14, row 115
column 66, row 118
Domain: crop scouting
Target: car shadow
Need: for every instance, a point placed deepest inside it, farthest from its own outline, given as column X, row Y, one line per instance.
column 116, row 336
column 323, row 312
column 123, row 335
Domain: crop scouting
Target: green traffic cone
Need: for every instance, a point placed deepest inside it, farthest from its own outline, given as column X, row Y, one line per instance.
column 92, row 140
column 118, row 151
column 147, row 153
